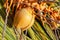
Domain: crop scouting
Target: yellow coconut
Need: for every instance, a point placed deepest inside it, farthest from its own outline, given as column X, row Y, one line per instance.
column 24, row 18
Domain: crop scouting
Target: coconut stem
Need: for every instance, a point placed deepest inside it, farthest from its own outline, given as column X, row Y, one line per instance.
column 56, row 34
column 4, row 28
column 17, row 37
